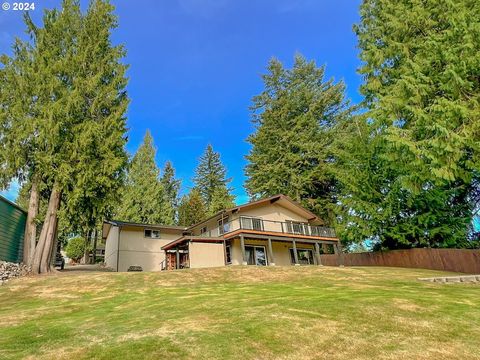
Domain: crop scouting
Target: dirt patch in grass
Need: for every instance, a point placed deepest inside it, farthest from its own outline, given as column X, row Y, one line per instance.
column 62, row 353
column 407, row 305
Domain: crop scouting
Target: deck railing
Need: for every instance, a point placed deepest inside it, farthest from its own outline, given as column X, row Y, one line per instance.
column 285, row 227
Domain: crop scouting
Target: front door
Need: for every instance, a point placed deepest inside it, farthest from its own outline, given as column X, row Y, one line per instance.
column 256, row 255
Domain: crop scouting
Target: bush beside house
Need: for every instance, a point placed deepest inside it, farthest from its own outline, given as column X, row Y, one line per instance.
column 76, row 248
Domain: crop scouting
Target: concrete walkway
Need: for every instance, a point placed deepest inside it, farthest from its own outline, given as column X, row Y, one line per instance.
column 84, row 268
column 452, row 279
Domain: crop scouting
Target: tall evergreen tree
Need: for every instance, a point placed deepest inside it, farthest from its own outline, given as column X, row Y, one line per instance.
column 171, row 187
column 192, row 208
column 62, row 117
column 291, row 146
column 211, row 181
column 418, row 152
column 142, row 196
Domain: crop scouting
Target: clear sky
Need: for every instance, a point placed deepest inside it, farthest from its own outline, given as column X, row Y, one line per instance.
column 196, row 64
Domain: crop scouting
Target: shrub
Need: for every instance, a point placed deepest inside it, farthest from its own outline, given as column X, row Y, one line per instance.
column 75, row 248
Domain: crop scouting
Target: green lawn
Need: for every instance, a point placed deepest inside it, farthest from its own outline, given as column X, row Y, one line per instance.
column 240, row 313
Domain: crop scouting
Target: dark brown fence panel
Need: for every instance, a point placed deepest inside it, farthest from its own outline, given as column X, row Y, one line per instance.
column 457, row 260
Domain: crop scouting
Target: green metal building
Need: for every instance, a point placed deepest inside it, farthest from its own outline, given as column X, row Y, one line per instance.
column 12, row 230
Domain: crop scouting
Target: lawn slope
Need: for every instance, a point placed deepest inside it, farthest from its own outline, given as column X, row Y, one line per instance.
column 240, row 313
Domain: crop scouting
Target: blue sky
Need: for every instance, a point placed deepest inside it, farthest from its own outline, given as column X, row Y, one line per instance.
column 196, row 64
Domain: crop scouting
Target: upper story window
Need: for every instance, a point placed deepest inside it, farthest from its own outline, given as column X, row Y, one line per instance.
column 223, row 225
column 153, row 234
column 203, row 230
column 251, row 223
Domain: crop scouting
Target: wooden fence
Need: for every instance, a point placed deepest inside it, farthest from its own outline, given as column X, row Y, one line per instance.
column 456, row 260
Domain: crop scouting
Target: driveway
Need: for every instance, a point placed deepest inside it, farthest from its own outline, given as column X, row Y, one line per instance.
column 85, row 268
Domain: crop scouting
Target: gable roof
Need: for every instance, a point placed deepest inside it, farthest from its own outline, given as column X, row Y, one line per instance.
column 280, row 198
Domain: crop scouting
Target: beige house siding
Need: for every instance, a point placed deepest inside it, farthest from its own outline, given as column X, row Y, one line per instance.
column 111, row 248
column 210, row 224
column 280, row 249
column 135, row 249
column 272, row 212
column 206, row 255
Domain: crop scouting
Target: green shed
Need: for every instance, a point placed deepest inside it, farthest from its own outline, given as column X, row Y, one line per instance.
column 12, row 230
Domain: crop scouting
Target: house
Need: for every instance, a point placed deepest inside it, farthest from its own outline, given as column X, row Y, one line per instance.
column 271, row 231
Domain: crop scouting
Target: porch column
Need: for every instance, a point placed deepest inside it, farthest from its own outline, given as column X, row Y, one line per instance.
column 340, row 253
column 295, row 255
column 337, row 250
column 270, row 252
column 317, row 253
column 177, row 262
column 242, row 246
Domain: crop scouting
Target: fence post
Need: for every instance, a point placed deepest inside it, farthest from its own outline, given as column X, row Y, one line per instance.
column 337, row 248
column 317, row 253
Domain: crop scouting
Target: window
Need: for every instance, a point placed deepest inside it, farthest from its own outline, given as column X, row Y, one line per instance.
column 153, row 234
column 251, row 223
column 228, row 253
column 203, row 230
column 223, row 225
column 305, row 256
column 256, row 255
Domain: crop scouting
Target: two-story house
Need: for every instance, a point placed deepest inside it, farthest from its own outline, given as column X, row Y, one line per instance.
column 272, row 231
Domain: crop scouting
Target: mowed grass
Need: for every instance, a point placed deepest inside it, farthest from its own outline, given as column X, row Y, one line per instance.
column 240, row 313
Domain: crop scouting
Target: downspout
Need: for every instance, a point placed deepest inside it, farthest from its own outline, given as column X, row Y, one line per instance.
column 118, row 246
column 224, row 241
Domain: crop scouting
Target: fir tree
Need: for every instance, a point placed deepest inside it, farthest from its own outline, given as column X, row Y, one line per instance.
column 416, row 159
column 192, row 208
column 211, row 182
column 171, row 187
column 291, row 146
column 142, row 196
column 62, row 121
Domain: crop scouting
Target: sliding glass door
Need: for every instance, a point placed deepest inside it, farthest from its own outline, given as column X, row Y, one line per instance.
column 256, row 255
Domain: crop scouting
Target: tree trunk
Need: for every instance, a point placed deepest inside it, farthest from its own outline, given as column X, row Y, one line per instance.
column 53, row 253
column 43, row 249
column 30, row 239
column 94, row 255
column 87, row 243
